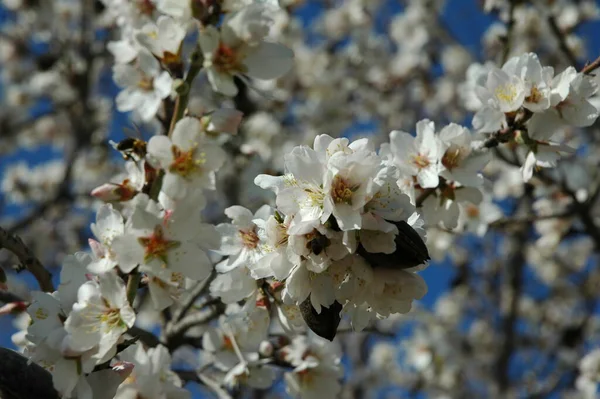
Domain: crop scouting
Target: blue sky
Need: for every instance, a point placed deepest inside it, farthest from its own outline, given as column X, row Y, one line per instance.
column 466, row 23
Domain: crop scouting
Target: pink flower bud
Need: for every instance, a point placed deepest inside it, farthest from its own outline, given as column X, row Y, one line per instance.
column 13, row 307
column 107, row 192
column 110, row 192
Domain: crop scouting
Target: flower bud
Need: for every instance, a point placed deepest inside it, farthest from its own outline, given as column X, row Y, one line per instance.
column 13, row 307
column 107, row 192
column 110, row 192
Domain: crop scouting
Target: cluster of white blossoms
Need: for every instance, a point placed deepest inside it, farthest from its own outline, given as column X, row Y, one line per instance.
column 149, row 55
column 344, row 236
column 339, row 212
column 525, row 95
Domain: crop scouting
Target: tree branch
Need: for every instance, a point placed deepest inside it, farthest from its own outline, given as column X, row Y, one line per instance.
column 14, row 244
column 562, row 43
column 146, row 337
column 591, row 67
column 514, row 274
column 9, row 297
column 531, row 218
column 195, row 293
column 175, row 332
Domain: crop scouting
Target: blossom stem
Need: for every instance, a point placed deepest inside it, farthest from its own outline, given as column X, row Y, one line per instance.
column 591, row 67
column 132, row 285
column 184, row 90
column 156, row 185
column 562, row 43
column 424, row 195
column 509, row 30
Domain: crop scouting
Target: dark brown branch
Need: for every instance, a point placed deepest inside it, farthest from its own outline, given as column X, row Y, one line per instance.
column 514, row 275
column 531, row 218
column 591, row 67
column 14, row 244
column 195, row 293
column 146, row 337
column 509, row 30
column 176, row 332
column 424, row 195
column 9, row 297
column 562, row 43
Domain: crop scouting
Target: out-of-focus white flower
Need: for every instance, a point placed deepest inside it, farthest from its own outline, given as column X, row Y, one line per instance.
column 317, row 369
column 151, row 376
column 144, row 86
column 589, row 376
column 162, row 38
column 239, row 49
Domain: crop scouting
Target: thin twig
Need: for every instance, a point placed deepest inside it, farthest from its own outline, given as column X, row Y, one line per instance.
column 194, row 294
column 184, row 90
column 9, row 297
column 175, row 332
column 591, row 67
column 531, row 218
column 514, row 275
column 146, row 337
column 424, row 195
column 509, row 30
column 15, row 244
column 133, row 283
column 562, row 43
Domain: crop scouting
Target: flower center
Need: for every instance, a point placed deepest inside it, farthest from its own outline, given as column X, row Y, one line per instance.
column 227, row 59
column 112, row 318
column 41, row 314
column 282, row 236
column 157, row 246
column 184, row 163
column 249, row 238
column 506, row 93
column 342, row 191
column 472, row 211
column 421, row 161
column 146, row 83
column 452, row 157
column 315, row 196
column 535, row 96
column 177, row 278
column 228, row 343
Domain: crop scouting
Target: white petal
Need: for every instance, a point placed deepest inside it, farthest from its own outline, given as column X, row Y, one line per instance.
column 190, row 260
column 128, row 252
column 160, row 152
column 222, row 82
